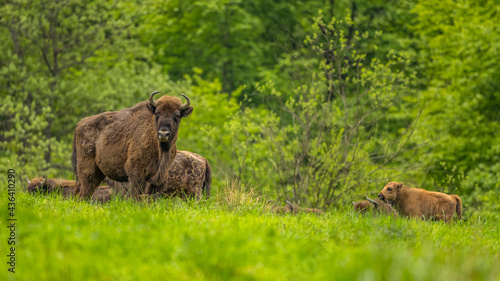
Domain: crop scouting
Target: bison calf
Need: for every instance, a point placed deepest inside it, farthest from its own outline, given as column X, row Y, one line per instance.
column 294, row 209
column 376, row 205
column 102, row 194
column 416, row 202
column 66, row 187
column 189, row 176
column 45, row 185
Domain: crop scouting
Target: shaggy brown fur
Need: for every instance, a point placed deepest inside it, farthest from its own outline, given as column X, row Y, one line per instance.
column 189, row 176
column 377, row 206
column 294, row 209
column 102, row 194
column 45, row 185
column 66, row 187
column 135, row 144
column 420, row 203
column 363, row 206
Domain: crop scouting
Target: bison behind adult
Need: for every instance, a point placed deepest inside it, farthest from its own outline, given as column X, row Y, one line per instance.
column 189, row 176
column 134, row 144
column 420, row 203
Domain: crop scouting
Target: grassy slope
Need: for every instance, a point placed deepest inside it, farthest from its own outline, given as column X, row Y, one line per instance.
column 220, row 240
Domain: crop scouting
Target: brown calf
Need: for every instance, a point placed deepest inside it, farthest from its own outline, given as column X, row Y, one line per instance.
column 376, row 205
column 189, row 176
column 66, row 187
column 420, row 203
column 45, row 185
column 102, row 194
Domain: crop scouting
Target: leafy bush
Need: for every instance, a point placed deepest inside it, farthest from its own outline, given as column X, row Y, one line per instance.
column 332, row 135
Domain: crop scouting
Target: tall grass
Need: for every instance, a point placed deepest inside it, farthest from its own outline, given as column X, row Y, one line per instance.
column 233, row 237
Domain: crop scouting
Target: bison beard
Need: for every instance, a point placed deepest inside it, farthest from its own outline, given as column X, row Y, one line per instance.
column 135, row 144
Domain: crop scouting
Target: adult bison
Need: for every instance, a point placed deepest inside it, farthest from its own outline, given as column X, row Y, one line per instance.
column 420, row 203
column 189, row 176
column 134, row 144
column 376, row 205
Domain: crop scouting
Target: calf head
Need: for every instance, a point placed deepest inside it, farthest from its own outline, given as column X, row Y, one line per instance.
column 390, row 192
column 37, row 185
column 168, row 112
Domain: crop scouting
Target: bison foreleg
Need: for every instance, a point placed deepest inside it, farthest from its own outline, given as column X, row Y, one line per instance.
column 152, row 189
column 86, row 185
column 138, row 186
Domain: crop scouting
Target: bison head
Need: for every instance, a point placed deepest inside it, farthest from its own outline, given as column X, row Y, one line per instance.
column 168, row 112
column 37, row 185
column 390, row 192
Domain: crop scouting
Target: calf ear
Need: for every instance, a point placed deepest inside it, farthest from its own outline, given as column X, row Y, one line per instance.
column 399, row 185
column 186, row 112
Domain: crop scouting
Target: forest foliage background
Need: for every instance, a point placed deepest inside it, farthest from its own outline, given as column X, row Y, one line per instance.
column 319, row 102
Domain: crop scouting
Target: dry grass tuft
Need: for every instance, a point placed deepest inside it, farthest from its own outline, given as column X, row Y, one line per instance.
column 233, row 194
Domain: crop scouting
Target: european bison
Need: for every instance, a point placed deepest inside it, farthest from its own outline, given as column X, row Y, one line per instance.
column 45, row 185
column 376, row 205
column 102, row 194
column 416, row 202
column 294, row 209
column 135, row 144
column 189, row 176
column 66, row 187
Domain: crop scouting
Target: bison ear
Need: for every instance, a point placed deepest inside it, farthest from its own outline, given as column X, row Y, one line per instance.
column 151, row 107
column 186, row 112
column 399, row 185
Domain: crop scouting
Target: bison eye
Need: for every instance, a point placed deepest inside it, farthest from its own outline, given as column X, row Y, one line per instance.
column 389, row 189
column 177, row 117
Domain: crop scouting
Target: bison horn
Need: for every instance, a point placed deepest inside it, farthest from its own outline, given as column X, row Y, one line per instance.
column 28, row 179
column 372, row 201
column 289, row 204
column 151, row 101
column 186, row 105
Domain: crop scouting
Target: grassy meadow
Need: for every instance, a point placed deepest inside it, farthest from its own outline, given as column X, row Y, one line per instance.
column 233, row 236
column 319, row 102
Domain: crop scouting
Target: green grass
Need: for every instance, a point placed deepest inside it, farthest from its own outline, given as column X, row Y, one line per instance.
column 232, row 237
